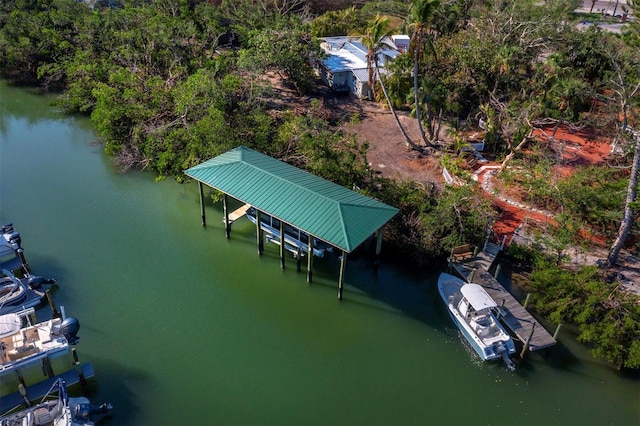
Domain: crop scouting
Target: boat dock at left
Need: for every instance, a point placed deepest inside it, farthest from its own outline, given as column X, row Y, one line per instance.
column 27, row 343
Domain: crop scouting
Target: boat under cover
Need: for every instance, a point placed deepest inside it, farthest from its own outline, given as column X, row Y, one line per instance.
column 296, row 240
column 471, row 308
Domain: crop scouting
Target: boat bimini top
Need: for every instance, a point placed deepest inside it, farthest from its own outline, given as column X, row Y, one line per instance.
column 477, row 297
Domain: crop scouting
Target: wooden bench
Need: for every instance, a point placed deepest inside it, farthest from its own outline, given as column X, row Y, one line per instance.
column 461, row 252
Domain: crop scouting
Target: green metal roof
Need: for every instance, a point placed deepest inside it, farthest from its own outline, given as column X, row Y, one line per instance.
column 337, row 215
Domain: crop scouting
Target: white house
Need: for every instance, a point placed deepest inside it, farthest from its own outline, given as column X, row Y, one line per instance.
column 345, row 67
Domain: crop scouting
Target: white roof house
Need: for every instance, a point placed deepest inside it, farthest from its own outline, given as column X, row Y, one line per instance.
column 345, row 66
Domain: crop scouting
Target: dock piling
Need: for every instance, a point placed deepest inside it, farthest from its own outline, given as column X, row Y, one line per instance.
column 526, row 301
column 23, row 393
column 46, row 367
column 54, row 310
column 471, row 276
column 282, row 247
column 23, row 261
column 310, row 261
column 343, row 262
column 227, row 224
column 525, row 348
column 555, row 334
column 495, row 274
column 201, row 190
column 259, row 234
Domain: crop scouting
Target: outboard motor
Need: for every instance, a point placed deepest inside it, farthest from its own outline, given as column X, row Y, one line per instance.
column 69, row 328
column 83, row 412
column 35, row 281
column 11, row 236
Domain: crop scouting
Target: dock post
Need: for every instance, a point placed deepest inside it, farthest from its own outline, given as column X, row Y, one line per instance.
column 23, row 261
column 376, row 260
column 501, row 311
column 259, row 234
column 495, row 274
column 555, row 334
column 76, row 362
column 475, row 252
column 23, row 394
column 299, row 258
column 526, row 301
column 204, row 219
column 46, row 367
column 525, row 348
column 471, row 275
column 282, row 245
column 54, row 310
column 20, row 378
column 310, row 261
column 343, row 262
column 227, row 225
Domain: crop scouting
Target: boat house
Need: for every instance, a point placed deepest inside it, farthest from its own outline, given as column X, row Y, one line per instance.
column 324, row 210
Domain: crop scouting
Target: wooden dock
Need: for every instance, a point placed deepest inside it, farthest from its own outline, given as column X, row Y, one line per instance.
column 238, row 213
column 514, row 316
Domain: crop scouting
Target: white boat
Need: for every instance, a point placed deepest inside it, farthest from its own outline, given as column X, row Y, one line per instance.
column 57, row 409
column 17, row 294
column 24, row 343
column 472, row 310
column 296, row 241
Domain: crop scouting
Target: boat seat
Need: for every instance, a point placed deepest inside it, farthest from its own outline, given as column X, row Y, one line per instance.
column 21, row 351
column 44, row 416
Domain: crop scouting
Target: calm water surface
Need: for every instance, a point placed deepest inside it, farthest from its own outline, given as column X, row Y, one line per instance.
column 185, row 327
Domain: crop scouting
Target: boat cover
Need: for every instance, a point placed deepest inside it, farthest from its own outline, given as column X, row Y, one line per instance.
column 9, row 324
column 477, row 297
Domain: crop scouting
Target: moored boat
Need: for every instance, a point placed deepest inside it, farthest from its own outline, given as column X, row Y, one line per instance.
column 56, row 408
column 24, row 343
column 19, row 293
column 471, row 308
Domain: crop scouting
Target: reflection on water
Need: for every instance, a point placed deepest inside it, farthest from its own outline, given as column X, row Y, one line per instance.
column 183, row 326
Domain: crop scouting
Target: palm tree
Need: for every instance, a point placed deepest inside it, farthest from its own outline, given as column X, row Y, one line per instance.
column 421, row 13
column 628, row 214
column 626, row 84
column 373, row 39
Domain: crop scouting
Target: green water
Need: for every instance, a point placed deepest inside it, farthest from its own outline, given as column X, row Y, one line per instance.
column 185, row 327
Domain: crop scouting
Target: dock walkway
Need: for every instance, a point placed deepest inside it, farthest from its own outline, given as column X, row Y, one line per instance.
column 519, row 321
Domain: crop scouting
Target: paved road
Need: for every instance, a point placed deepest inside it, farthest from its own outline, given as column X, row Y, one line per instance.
column 607, row 7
